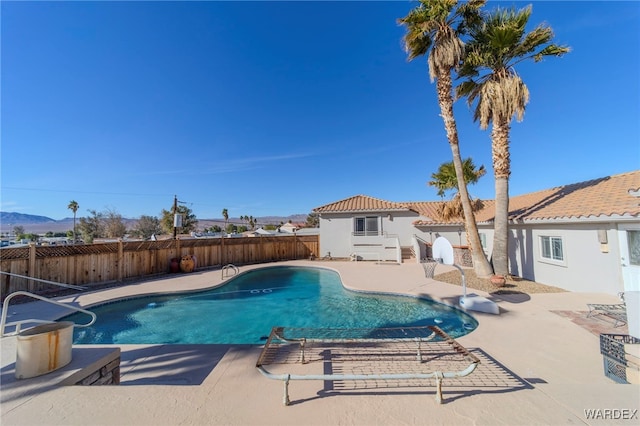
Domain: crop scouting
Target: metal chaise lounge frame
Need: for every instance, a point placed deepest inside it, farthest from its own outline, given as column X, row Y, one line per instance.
column 616, row 311
column 297, row 346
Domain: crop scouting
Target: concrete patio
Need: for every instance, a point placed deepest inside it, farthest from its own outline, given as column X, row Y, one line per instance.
column 541, row 364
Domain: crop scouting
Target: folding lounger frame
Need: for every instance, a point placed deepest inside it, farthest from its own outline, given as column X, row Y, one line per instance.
column 616, row 311
column 424, row 338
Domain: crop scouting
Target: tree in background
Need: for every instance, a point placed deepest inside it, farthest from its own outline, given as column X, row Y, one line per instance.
column 51, row 234
column 74, row 206
column 434, row 27
column 231, row 228
column 189, row 220
column 147, row 226
column 31, row 237
column 497, row 44
column 114, row 226
column 215, row 228
column 313, row 220
column 91, row 227
column 225, row 215
column 445, row 179
column 18, row 230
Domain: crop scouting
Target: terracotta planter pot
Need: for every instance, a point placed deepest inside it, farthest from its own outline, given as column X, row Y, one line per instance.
column 187, row 264
column 498, row 280
column 174, row 265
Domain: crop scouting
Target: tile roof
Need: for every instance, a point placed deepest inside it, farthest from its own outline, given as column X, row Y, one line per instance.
column 610, row 196
column 428, row 209
column 360, row 203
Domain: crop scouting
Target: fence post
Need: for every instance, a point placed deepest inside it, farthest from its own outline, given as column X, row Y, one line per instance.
column 120, row 259
column 6, row 286
column 222, row 256
column 32, row 266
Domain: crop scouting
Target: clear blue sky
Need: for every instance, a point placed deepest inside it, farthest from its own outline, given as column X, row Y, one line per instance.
column 275, row 108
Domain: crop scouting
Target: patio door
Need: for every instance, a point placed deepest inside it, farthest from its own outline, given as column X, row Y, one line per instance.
column 629, row 237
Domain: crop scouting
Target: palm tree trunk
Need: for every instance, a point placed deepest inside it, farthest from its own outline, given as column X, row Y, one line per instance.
column 444, row 86
column 501, row 171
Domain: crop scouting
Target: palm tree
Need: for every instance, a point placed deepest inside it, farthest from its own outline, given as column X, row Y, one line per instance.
column 225, row 215
column 499, row 42
column 430, row 29
column 445, row 179
column 74, row 206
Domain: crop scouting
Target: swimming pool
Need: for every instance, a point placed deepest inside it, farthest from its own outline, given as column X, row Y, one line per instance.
column 244, row 310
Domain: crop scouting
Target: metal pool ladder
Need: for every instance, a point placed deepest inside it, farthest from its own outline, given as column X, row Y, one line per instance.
column 226, row 273
column 18, row 324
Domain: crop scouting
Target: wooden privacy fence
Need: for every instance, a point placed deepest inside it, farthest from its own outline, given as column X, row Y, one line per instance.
column 125, row 260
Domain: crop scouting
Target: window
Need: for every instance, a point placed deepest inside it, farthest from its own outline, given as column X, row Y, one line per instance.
column 365, row 225
column 483, row 240
column 551, row 248
column 633, row 239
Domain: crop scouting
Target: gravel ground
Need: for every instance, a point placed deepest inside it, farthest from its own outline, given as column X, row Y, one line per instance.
column 513, row 285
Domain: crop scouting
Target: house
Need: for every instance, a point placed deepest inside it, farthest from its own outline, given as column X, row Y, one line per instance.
column 579, row 237
column 256, row 233
column 289, row 228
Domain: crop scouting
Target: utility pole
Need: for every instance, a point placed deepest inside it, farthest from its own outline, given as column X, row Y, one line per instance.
column 175, row 211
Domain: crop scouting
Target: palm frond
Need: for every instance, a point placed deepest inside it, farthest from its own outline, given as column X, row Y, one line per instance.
column 451, row 210
column 445, row 179
column 434, row 27
column 551, row 50
column 497, row 45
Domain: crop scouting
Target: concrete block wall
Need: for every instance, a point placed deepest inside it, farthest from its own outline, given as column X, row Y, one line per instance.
column 108, row 374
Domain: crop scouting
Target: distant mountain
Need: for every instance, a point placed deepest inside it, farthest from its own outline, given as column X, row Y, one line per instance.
column 43, row 224
column 23, row 219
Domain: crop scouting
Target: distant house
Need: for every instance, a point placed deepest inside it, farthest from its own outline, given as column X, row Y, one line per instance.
column 289, row 228
column 580, row 237
column 256, row 233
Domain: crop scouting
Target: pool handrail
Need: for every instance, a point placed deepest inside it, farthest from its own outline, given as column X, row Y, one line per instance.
column 225, row 268
column 18, row 324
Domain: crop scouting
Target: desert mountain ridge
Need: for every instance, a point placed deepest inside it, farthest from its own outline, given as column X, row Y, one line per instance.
column 43, row 224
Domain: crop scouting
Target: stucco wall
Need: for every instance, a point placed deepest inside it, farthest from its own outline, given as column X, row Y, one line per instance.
column 455, row 234
column 336, row 230
column 586, row 267
column 335, row 234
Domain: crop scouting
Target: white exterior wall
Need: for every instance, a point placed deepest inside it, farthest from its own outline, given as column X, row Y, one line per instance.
column 454, row 234
column 586, row 268
column 337, row 237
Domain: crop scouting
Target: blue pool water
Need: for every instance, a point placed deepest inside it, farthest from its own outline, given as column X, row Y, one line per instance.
column 244, row 310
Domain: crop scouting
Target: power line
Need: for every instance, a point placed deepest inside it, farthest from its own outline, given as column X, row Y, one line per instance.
column 83, row 192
